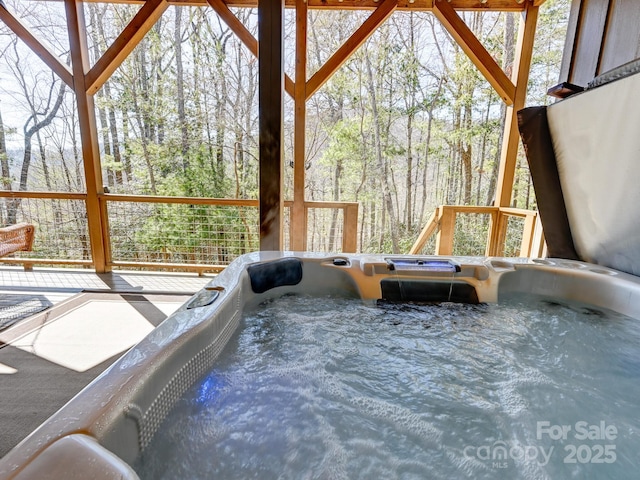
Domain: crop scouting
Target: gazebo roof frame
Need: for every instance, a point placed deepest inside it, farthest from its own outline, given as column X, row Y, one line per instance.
column 85, row 80
column 418, row 5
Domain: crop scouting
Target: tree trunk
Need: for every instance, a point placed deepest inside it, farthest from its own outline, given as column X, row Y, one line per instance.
column 43, row 160
column 337, row 174
column 429, row 112
column 483, row 152
column 466, row 173
column 411, row 112
column 466, row 154
column 516, row 185
column 222, row 98
column 507, row 66
column 142, row 125
column 112, row 125
column 29, row 132
column 126, row 149
column 409, row 173
column 182, row 117
column 386, row 191
column 6, row 174
column 102, row 114
column 425, row 171
column 79, row 210
column 113, row 128
column 4, row 159
column 336, row 115
column 250, row 140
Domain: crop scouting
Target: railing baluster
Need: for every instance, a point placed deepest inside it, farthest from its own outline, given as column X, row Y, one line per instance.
column 444, row 240
column 126, row 222
column 443, row 221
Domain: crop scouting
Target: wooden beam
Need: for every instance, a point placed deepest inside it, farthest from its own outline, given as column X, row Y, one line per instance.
column 350, row 229
column 500, row 235
column 106, row 232
column 511, row 137
column 379, row 15
column 49, row 58
column 415, row 5
column 570, row 41
column 122, row 46
column 231, row 202
column 445, row 236
column 591, row 37
column 245, row 36
column 88, row 131
column 426, row 232
column 289, row 85
column 528, row 232
column 48, row 195
column 476, row 52
column 298, row 236
column 492, row 235
column 236, row 26
column 270, row 101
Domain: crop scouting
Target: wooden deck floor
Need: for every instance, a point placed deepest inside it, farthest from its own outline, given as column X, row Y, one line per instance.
column 79, row 323
column 77, row 280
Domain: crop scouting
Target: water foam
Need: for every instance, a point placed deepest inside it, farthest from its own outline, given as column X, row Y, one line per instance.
column 330, row 388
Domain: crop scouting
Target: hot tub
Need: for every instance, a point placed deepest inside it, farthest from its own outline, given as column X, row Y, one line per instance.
column 105, row 428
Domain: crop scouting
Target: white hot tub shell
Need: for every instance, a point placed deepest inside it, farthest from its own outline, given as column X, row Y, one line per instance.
column 102, row 430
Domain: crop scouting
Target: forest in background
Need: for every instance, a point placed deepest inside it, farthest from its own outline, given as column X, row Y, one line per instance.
column 407, row 124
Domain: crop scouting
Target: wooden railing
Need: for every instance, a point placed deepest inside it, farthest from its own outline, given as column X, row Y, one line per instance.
column 349, row 221
column 117, row 203
column 443, row 224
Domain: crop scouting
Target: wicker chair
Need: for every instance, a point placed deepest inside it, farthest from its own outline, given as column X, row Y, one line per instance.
column 16, row 238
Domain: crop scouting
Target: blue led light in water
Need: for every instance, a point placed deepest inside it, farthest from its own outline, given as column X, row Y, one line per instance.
column 209, row 388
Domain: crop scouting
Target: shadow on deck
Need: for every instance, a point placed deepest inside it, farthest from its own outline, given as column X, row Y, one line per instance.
column 59, row 329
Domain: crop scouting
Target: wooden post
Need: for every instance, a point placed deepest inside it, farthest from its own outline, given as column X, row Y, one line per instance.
column 501, row 234
column 88, row 131
column 271, row 87
column 511, row 137
column 444, row 239
column 528, row 232
column 298, row 230
column 493, row 235
column 350, row 229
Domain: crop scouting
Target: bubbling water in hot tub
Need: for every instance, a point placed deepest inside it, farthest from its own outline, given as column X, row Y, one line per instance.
column 331, row 388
